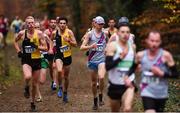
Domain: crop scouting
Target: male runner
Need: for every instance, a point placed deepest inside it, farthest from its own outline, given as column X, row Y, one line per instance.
column 32, row 42
column 95, row 42
column 157, row 65
column 64, row 40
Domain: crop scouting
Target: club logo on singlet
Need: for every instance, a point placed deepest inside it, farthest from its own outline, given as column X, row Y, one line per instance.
column 64, row 48
column 29, row 49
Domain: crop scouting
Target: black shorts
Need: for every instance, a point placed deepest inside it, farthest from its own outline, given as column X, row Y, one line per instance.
column 115, row 92
column 34, row 63
column 66, row 61
column 49, row 57
column 156, row 104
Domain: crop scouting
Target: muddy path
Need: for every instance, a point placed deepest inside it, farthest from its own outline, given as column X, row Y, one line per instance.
column 80, row 96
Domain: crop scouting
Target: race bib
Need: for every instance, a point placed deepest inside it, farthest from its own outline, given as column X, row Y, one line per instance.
column 99, row 47
column 150, row 80
column 29, row 49
column 64, row 48
column 148, row 73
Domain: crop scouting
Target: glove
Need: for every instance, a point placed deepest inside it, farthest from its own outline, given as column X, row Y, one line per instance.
column 33, row 45
column 20, row 54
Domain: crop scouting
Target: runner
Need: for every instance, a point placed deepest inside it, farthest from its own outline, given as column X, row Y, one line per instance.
column 119, row 58
column 50, row 56
column 33, row 42
column 157, row 65
column 122, row 20
column 92, row 27
column 64, row 40
column 111, row 29
column 16, row 25
column 44, row 63
column 95, row 42
column 45, row 23
column 3, row 29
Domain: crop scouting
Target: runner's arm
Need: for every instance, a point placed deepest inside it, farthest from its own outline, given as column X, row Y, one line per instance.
column 43, row 43
column 85, row 45
column 72, row 42
column 17, row 38
column 109, row 61
column 50, row 42
column 173, row 73
column 112, row 38
column 135, row 63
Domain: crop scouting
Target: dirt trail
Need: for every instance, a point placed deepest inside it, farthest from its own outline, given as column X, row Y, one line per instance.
column 80, row 96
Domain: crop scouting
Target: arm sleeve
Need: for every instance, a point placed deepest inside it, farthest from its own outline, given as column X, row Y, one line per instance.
column 173, row 73
column 132, row 69
column 110, row 63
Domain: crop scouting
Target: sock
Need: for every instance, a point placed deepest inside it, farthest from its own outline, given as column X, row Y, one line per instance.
column 100, row 97
column 60, row 87
column 95, row 101
column 65, row 93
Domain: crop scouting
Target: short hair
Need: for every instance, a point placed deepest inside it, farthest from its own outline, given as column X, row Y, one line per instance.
column 62, row 18
column 29, row 17
column 154, row 31
column 111, row 19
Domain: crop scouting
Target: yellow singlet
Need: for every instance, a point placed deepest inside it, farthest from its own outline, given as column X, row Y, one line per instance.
column 66, row 47
column 35, row 39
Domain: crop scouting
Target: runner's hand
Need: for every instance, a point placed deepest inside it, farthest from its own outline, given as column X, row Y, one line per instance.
column 20, row 54
column 157, row 71
column 127, row 81
column 123, row 54
column 50, row 51
column 94, row 45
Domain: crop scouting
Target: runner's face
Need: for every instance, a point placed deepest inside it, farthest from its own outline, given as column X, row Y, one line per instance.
column 37, row 26
column 30, row 23
column 111, row 23
column 124, row 33
column 154, row 41
column 99, row 26
column 53, row 24
column 62, row 24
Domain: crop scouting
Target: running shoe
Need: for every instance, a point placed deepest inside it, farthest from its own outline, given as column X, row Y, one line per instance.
column 65, row 98
column 33, row 107
column 60, row 92
column 101, row 103
column 95, row 107
column 53, row 85
column 39, row 99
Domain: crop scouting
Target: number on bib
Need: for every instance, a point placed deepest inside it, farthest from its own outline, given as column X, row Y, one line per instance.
column 29, row 49
column 99, row 47
column 64, row 48
column 148, row 80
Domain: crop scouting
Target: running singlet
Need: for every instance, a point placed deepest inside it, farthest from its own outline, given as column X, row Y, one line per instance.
column 116, row 75
column 28, row 49
column 99, row 55
column 151, row 85
column 61, row 45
